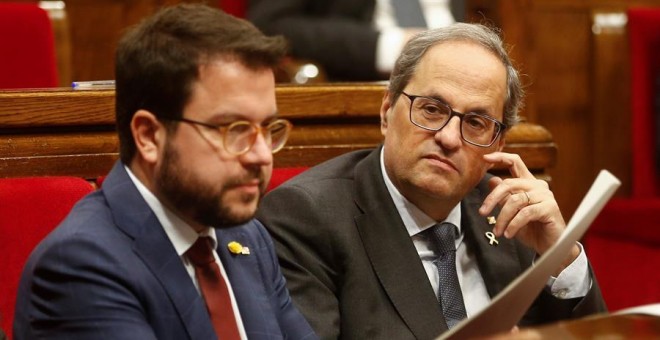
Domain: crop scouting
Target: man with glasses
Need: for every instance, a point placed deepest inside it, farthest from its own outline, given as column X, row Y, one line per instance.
column 407, row 240
column 168, row 247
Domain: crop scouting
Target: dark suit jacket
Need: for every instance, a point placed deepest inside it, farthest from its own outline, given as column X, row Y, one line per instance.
column 109, row 271
column 353, row 270
column 338, row 34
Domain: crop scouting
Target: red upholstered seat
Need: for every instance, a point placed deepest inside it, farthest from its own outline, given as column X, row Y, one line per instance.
column 99, row 181
column 29, row 209
column 281, row 175
column 28, row 47
column 237, row 8
column 623, row 243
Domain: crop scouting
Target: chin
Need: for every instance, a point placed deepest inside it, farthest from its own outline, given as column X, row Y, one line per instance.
column 244, row 211
column 440, row 188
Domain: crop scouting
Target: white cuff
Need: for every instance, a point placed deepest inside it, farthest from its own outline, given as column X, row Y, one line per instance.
column 574, row 281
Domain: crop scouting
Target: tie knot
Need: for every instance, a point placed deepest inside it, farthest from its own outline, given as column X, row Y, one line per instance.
column 200, row 254
column 444, row 236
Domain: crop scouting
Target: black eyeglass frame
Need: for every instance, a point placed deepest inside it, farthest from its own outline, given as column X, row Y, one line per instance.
column 501, row 126
column 223, row 128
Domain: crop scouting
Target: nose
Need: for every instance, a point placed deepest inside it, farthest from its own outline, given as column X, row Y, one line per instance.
column 449, row 137
column 260, row 153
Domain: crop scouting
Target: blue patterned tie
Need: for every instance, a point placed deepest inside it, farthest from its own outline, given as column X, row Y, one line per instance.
column 443, row 237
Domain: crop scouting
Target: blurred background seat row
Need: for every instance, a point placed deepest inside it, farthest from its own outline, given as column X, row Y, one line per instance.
column 38, row 42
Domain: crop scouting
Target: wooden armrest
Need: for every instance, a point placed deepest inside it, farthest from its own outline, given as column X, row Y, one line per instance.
column 69, row 132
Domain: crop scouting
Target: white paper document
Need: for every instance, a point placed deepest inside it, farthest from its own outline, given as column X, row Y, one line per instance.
column 508, row 307
column 652, row 309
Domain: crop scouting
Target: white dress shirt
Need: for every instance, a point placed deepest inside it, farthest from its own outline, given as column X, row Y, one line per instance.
column 437, row 13
column 573, row 281
column 183, row 236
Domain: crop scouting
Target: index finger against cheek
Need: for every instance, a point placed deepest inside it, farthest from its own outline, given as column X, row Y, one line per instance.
column 511, row 161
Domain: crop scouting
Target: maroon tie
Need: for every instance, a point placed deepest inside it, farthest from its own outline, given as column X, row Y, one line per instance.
column 214, row 289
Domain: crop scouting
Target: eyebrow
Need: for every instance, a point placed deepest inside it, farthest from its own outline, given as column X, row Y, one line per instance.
column 480, row 111
column 220, row 118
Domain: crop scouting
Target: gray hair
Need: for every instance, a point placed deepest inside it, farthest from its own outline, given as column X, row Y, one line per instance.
column 479, row 34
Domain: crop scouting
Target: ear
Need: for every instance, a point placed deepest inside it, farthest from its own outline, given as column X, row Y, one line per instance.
column 149, row 135
column 385, row 108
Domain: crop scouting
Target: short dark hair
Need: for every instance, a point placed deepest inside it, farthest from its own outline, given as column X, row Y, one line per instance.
column 475, row 33
column 158, row 60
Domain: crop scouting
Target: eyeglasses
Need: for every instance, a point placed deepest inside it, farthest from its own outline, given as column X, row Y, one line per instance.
column 433, row 115
column 238, row 137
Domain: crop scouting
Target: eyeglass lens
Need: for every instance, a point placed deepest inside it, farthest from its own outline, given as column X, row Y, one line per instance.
column 240, row 136
column 431, row 114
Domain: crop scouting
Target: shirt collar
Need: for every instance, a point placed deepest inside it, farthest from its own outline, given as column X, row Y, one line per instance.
column 180, row 233
column 415, row 220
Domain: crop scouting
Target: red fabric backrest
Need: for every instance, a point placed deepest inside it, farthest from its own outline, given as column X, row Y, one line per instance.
column 644, row 34
column 631, row 220
column 237, row 8
column 281, row 175
column 99, row 181
column 29, row 209
column 28, row 48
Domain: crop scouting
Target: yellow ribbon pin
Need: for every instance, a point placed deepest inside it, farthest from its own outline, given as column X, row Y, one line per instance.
column 238, row 249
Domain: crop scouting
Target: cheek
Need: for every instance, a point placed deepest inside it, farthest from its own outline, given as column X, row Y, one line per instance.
column 476, row 166
column 400, row 149
column 400, row 133
column 402, row 153
column 210, row 169
column 268, row 173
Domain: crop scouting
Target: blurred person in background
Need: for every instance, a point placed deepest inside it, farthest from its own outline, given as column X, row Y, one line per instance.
column 352, row 40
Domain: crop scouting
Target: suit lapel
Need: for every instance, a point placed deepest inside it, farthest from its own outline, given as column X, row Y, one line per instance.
column 248, row 290
column 392, row 253
column 251, row 277
column 395, row 259
column 151, row 244
column 499, row 264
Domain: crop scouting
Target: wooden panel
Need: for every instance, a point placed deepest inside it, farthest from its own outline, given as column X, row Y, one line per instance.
column 67, row 132
column 95, row 30
column 562, row 98
column 57, row 107
column 60, row 23
column 356, row 100
column 96, row 27
column 611, row 98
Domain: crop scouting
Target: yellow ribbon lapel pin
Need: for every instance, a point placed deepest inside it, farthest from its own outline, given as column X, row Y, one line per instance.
column 237, row 248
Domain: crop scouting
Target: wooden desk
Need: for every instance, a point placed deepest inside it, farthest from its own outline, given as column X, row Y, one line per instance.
column 67, row 132
column 611, row 327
